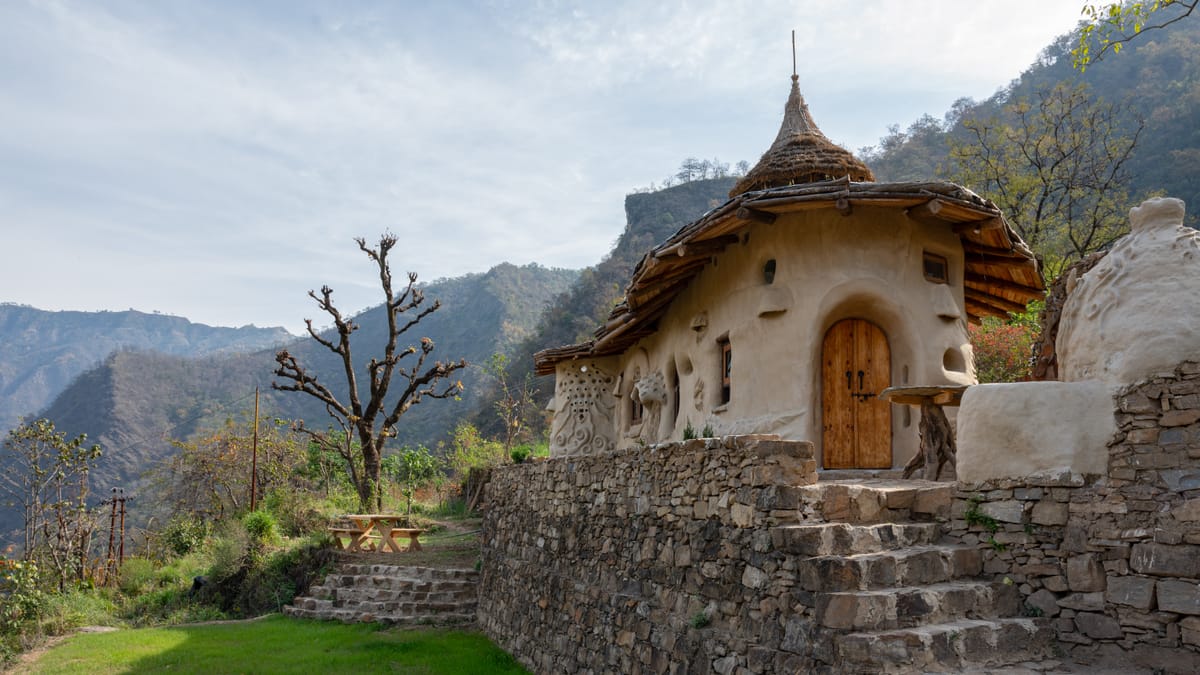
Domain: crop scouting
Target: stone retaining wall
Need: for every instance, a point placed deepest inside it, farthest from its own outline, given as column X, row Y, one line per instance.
column 650, row 559
column 1114, row 560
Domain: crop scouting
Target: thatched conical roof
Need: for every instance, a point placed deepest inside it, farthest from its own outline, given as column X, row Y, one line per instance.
column 801, row 153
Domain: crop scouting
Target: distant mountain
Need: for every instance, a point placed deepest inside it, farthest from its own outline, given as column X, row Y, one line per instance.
column 134, row 400
column 42, row 352
column 650, row 218
column 1158, row 73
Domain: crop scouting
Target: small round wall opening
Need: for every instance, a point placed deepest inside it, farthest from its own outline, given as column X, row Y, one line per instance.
column 954, row 361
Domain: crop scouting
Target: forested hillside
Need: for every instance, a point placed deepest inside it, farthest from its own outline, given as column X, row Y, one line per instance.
column 1157, row 75
column 135, row 401
column 41, row 352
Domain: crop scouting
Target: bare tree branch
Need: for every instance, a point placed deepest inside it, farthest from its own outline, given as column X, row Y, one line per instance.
column 403, row 312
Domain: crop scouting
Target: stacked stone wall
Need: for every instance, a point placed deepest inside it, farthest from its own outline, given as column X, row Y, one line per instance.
column 1114, row 560
column 647, row 560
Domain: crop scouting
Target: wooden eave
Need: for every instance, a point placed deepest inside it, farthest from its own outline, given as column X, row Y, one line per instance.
column 1001, row 273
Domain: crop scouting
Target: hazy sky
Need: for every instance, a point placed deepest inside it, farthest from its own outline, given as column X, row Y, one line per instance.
column 214, row 160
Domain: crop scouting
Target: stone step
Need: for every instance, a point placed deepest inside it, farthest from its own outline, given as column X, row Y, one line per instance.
column 875, row 500
column 944, row 647
column 341, row 600
column 913, row 566
column 818, row 539
column 409, row 572
column 907, row 607
column 370, row 586
column 354, row 616
column 377, row 592
column 397, row 583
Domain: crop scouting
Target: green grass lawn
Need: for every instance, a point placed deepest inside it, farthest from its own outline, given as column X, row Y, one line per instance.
column 277, row 645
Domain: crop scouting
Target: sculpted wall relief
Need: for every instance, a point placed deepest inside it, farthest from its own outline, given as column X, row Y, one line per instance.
column 583, row 421
column 651, row 392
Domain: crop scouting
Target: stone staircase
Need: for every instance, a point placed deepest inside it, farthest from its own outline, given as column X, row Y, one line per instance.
column 392, row 595
column 890, row 594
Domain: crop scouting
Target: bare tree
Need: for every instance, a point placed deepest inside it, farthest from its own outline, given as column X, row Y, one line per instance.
column 373, row 417
column 1057, row 167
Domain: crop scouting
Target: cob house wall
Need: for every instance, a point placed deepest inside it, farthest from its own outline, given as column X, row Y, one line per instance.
column 826, row 268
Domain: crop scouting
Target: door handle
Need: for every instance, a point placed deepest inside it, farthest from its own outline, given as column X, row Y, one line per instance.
column 860, row 380
column 849, row 381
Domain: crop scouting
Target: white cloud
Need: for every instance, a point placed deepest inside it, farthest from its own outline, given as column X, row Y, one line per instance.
column 215, row 160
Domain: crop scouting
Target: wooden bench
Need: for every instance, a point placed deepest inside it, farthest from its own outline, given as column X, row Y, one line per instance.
column 412, row 533
column 359, row 538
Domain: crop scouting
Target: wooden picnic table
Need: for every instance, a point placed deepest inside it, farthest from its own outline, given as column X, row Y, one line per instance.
column 376, row 532
column 937, row 439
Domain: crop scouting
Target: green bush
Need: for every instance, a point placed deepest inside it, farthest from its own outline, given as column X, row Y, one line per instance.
column 520, row 453
column 230, row 552
column 22, row 605
column 263, row 584
column 295, row 512
column 184, row 535
column 262, row 527
column 137, row 575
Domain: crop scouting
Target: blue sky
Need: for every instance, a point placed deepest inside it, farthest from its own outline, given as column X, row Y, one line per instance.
column 214, row 160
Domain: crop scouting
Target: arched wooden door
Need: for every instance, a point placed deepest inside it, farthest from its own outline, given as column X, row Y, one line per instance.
column 856, row 365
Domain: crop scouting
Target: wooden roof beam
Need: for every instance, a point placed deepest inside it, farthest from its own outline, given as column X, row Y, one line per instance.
column 687, row 270
column 977, row 226
column 927, row 213
column 1002, row 284
column 756, row 215
column 979, row 249
column 638, row 316
column 976, row 311
column 981, row 298
column 695, row 249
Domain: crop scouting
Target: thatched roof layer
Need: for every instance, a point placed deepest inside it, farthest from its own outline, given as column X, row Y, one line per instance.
column 1001, row 272
column 801, row 154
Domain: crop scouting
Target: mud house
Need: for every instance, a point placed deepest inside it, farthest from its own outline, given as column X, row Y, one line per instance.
column 788, row 309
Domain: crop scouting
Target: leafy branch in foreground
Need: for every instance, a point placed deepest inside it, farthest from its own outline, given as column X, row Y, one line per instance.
column 1107, row 27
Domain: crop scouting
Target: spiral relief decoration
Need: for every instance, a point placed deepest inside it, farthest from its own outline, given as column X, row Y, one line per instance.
column 584, row 421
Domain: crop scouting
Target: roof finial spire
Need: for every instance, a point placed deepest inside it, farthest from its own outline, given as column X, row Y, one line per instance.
column 795, row 77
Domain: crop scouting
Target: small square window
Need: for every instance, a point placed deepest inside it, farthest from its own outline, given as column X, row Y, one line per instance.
column 937, row 269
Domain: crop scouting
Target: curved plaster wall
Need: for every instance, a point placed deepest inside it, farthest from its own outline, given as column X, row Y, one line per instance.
column 828, row 267
column 1137, row 311
column 1034, row 429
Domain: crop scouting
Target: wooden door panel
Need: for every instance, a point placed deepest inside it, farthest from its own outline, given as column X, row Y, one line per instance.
column 856, row 425
column 873, row 417
column 837, row 421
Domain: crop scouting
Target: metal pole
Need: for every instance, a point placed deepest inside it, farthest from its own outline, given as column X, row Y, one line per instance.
column 254, row 455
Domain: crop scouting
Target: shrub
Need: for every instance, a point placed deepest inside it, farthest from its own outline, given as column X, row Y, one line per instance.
column 263, row 584
column 294, row 511
column 520, row 453
column 261, row 526
column 230, row 551
column 183, row 535
column 21, row 605
column 136, row 576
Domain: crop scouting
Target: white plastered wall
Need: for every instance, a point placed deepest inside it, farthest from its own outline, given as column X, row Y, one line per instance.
column 828, row 267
